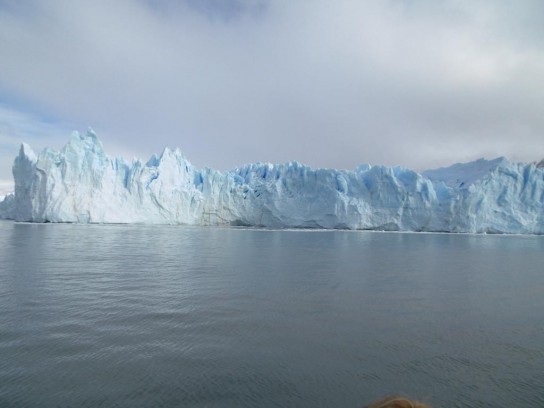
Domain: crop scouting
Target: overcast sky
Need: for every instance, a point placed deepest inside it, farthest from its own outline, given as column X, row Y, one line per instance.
column 335, row 83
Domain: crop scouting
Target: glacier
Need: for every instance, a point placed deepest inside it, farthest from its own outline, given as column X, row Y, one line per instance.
column 81, row 184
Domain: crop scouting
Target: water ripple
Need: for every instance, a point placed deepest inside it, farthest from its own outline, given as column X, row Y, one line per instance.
column 138, row 316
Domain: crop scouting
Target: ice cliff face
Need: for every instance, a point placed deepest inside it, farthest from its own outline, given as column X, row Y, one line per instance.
column 81, row 184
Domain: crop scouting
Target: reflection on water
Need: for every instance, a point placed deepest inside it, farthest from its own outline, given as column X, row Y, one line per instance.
column 113, row 315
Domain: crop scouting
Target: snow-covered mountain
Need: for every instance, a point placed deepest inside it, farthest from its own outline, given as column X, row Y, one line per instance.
column 81, row 184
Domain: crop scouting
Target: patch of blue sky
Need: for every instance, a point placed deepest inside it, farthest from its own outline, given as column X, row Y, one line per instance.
column 228, row 9
column 225, row 10
column 18, row 124
column 16, row 102
column 19, row 8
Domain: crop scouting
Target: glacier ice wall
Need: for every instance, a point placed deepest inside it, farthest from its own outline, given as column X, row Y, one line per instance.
column 82, row 184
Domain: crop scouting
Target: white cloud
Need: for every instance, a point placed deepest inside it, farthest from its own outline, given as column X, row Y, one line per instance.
column 334, row 84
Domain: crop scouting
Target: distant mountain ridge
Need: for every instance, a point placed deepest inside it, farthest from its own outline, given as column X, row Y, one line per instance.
column 81, row 184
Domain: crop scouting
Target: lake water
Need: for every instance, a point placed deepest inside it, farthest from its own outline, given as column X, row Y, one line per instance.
column 151, row 316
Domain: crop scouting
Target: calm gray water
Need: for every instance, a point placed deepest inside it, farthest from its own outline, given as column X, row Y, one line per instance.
column 151, row 316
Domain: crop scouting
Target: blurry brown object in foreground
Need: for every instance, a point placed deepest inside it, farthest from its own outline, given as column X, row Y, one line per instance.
column 397, row 402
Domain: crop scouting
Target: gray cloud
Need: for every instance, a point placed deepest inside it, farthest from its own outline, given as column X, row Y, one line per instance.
column 331, row 84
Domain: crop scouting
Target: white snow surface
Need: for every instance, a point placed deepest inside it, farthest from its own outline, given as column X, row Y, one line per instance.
column 82, row 184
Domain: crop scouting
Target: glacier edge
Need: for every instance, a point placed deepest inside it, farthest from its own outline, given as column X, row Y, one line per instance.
column 81, row 184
